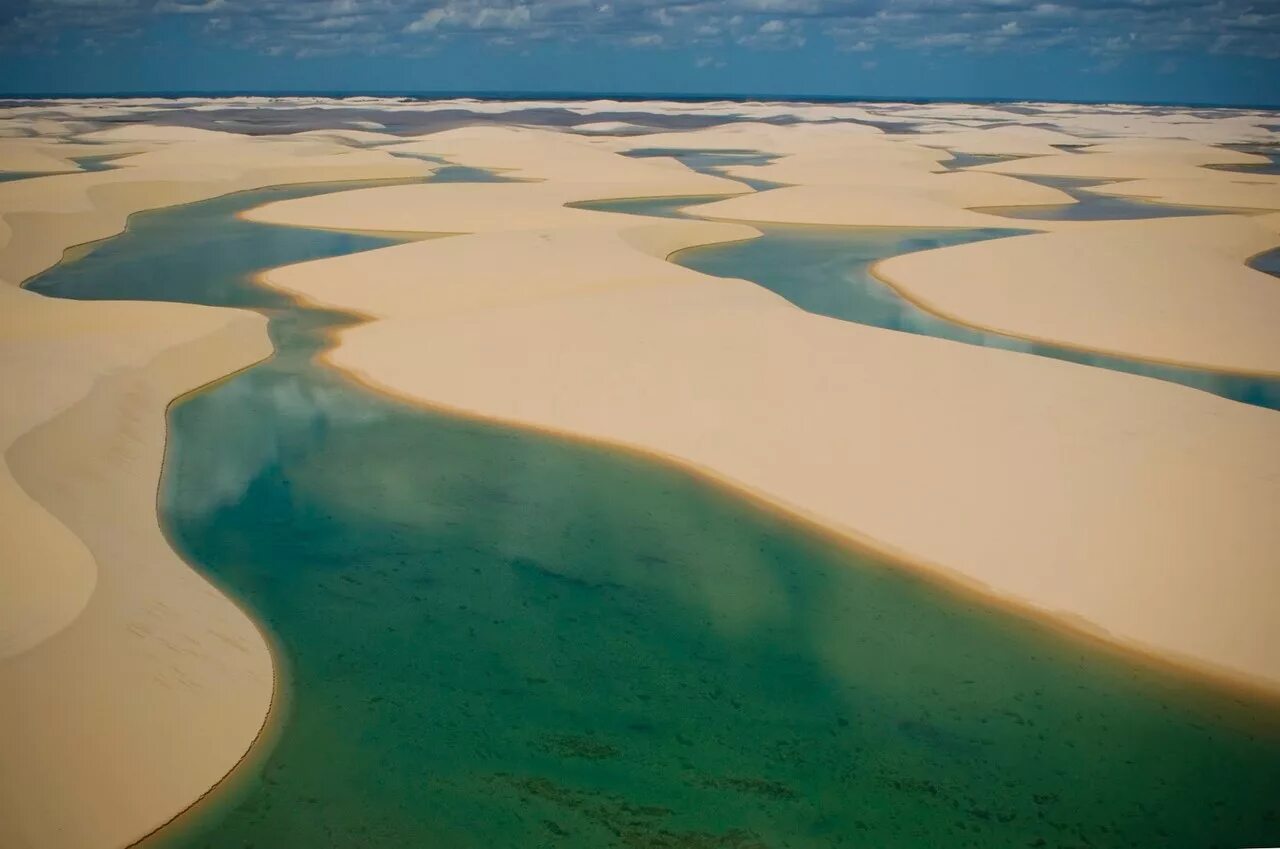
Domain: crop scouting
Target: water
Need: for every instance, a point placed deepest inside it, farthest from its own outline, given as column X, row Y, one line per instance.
column 960, row 161
column 86, row 163
column 1270, row 151
column 714, row 162
column 500, row 639
column 827, row 270
column 1093, row 207
column 177, row 255
column 1268, row 262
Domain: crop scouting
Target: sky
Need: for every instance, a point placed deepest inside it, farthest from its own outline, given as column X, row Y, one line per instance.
column 1177, row 51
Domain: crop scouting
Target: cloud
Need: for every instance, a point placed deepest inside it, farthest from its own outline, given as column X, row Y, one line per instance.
column 475, row 16
column 204, row 8
column 1104, row 28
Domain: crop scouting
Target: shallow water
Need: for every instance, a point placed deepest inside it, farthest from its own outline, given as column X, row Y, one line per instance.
column 1270, row 151
column 959, row 161
column 86, row 163
column 1090, row 206
column 827, row 270
column 714, row 162
column 499, row 639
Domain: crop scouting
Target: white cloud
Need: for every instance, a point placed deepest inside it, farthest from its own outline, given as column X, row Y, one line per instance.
column 192, row 8
column 472, row 16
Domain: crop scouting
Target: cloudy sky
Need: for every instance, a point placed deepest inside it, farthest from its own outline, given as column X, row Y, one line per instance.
column 1211, row 51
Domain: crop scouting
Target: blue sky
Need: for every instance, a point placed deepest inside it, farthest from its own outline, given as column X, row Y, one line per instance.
column 1214, row 51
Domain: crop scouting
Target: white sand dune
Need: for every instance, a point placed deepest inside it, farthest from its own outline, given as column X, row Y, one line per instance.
column 1170, row 290
column 1235, row 191
column 132, row 686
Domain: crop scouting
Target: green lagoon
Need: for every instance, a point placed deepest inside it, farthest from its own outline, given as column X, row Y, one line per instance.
column 828, row 271
column 493, row 638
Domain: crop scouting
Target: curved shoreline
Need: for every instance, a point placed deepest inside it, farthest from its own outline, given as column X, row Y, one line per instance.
column 269, row 731
column 231, row 347
column 907, row 295
column 1255, row 688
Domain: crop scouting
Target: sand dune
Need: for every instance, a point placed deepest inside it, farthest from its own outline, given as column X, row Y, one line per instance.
column 132, row 686
column 1167, row 289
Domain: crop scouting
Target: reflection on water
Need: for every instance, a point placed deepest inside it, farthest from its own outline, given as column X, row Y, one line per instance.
column 827, row 270
column 499, row 639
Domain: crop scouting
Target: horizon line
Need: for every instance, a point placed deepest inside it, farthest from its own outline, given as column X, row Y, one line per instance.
column 622, row 96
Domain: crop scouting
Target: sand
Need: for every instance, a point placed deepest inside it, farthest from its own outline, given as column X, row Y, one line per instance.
column 1124, row 506
column 1173, row 290
column 131, row 685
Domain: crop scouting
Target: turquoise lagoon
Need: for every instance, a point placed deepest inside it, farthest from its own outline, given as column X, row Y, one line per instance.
column 493, row 638
column 828, row 271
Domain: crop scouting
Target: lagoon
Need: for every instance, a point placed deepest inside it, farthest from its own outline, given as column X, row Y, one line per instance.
column 494, row 638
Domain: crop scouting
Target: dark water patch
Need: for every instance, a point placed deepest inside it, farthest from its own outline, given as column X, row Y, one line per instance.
column 98, row 162
column 960, row 161
column 1271, row 152
column 467, row 174
column 829, row 272
column 1268, row 262
column 86, row 163
column 713, row 162
column 1090, row 206
column 664, row 207
column 500, row 639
